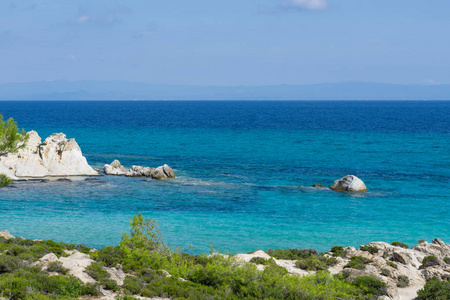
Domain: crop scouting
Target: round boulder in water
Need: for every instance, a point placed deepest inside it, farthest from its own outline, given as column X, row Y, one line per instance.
column 349, row 183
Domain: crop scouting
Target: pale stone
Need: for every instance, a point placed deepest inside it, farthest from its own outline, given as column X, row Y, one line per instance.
column 57, row 156
column 115, row 168
column 6, row 235
column 163, row 172
column 349, row 183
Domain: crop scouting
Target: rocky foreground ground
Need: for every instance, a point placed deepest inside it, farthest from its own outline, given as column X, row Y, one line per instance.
column 404, row 270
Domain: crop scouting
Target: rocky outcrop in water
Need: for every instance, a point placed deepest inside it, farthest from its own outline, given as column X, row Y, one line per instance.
column 162, row 172
column 349, row 183
column 56, row 156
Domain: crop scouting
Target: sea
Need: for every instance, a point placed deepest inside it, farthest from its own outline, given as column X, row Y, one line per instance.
column 245, row 171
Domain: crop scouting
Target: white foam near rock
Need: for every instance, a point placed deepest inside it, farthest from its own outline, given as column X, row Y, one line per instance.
column 56, row 156
column 349, row 183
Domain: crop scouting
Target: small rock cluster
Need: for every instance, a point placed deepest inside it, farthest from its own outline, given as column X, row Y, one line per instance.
column 162, row 172
column 349, row 183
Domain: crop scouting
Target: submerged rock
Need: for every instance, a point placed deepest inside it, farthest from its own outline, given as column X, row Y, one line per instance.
column 56, row 156
column 318, row 185
column 349, row 183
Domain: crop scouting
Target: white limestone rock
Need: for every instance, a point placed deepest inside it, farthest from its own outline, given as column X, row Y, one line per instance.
column 6, row 235
column 115, row 168
column 349, row 183
column 57, row 156
column 163, row 172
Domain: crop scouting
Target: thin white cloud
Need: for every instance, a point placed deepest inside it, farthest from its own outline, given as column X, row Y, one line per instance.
column 71, row 57
column 82, row 19
column 299, row 5
column 308, row 4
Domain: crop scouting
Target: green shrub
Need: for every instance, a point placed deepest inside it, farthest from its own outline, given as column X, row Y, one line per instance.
column 421, row 241
column 110, row 284
column 435, row 290
column 292, row 254
column 402, row 281
column 315, row 263
column 370, row 285
column 10, row 263
column 96, row 271
column 57, row 267
column 338, row 251
column 110, row 256
column 370, row 249
column 447, row 260
column 133, row 285
column 430, row 260
column 400, row 244
column 386, row 272
column 390, row 263
column 260, row 261
column 10, row 138
column 358, row 262
column 5, row 180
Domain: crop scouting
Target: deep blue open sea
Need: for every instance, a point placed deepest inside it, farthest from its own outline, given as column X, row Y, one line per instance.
column 244, row 172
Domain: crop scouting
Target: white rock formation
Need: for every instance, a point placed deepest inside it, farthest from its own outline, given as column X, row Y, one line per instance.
column 56, row 156
column 115, row 168
column 163, row 172
column 349, row 183
column 6, row 235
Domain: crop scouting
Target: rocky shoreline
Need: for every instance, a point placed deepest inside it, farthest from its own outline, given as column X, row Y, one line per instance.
column 403, row 270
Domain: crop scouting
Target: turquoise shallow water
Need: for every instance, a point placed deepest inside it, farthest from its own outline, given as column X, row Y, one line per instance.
column 244, row 173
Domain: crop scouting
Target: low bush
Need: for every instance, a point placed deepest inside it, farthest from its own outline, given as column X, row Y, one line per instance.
column 5, row 180
column 429, row 261
column 400, row 244
column 392, row 264
column 447, row 260
column 386, row 272
column 292, row 254
column 402, row 281
column 260, row 261
column 110, row 256
column 421, row 241
column 435, row 290
column 337, row 251
column 358, row 262
column 315, row 263
column 370, row 249
column 57, row 267
column 370, row 285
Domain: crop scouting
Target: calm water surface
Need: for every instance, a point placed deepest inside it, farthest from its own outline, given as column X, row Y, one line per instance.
column 245, row 171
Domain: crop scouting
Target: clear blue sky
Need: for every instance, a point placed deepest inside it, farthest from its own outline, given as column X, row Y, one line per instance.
column 233, row 42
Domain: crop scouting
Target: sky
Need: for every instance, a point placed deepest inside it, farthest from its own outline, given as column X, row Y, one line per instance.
column 233, row 42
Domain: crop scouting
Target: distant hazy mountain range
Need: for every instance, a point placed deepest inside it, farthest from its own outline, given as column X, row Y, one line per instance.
column 123, row 90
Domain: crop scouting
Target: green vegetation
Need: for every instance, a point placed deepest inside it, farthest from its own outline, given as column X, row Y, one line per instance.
column 421, row 241
column 315, row 262
column 370, row 285
column 447, row 260
column 402, row 281
column 430, row 260
column 370, row 249
column 337, row 251
column 155, row 270
column 103, row 277
column 391, row 264
column 292, row 254
column 10, row 138
column 385, row 272
column 358, row 262
column 4, row 180
column 260, row 261
column 400, row 244
column 435, row 290
column 57, row 267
